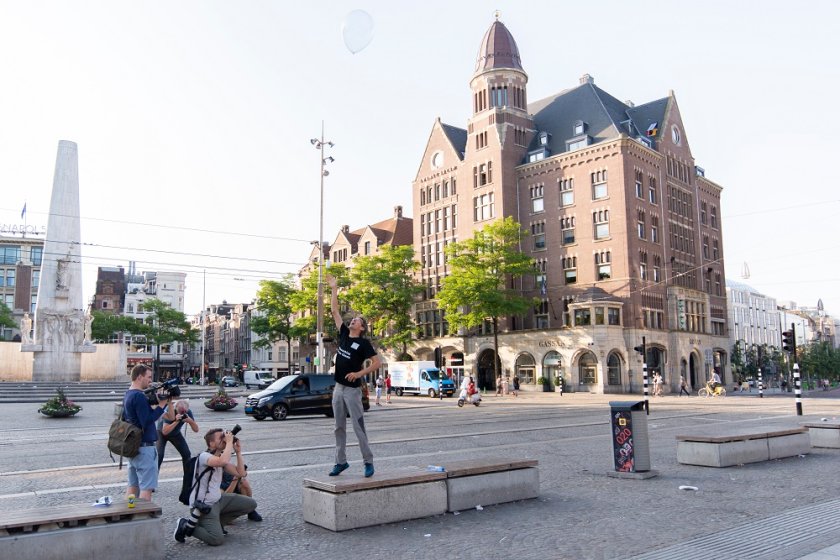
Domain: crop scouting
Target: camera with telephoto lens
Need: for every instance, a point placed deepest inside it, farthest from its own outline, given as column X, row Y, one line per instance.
column 168, row 390
column 235, row 430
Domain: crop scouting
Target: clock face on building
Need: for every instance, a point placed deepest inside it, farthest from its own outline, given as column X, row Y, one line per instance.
column 437, row 160
column 675, row 135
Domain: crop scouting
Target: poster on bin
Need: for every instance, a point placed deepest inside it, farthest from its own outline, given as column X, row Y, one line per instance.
column 622, row 439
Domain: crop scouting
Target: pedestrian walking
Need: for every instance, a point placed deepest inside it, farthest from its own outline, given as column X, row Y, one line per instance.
column 683, row 387
column 379, row 384
column 515, row 386
column 387, row 388
column 352, row 353
column 499, row 385
column 657, row 385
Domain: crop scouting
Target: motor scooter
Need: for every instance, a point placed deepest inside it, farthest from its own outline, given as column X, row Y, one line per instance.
column 475, row 398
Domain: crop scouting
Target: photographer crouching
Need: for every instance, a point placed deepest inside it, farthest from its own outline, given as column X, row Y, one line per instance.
column 210, row 509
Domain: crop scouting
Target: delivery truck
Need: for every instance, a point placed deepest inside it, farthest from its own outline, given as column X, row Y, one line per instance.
column 419, row 378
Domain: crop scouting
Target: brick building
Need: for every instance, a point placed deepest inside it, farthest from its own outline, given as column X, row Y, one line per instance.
column 625, row 231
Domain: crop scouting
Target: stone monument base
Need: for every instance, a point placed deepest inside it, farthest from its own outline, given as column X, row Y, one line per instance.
column 107, row 363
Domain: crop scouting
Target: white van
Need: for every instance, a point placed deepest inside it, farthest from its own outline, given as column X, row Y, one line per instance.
column 258, row 379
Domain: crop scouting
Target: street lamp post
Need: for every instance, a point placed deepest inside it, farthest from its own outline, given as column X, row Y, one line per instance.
column 319, row 335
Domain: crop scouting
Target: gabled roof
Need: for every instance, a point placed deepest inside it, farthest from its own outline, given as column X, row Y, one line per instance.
column 605, row 116
column 457, row 136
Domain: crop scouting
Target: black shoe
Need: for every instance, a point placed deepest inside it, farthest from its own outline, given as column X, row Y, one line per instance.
column 181, row 530
column 338, row 469
column 254, row 516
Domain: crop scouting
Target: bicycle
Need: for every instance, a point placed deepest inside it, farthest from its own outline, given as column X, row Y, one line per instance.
column 707, row 391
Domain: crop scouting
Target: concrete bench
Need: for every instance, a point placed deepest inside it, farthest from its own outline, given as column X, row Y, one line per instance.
column 352, row 501
column 824, row 434
column 82, row 531
column 738, row 446
column 484, row 482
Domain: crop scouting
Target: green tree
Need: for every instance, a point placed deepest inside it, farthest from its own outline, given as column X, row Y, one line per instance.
column 738, row 360
column 6, row 319
column 382, row 289
column 165, row 326
column 482, row 273
column 304, row 301
column 106, row 325
column 820, row 360
column 273, row 322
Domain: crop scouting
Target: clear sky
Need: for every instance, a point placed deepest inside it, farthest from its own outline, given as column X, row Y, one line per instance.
column 195, row 116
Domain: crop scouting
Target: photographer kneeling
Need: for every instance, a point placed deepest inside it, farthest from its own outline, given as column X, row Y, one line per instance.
column 212, row 510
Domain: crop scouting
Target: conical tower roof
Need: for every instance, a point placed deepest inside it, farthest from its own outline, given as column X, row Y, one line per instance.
column 498, row 50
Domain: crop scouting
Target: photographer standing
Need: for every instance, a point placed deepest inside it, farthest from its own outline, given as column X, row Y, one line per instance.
column 143, row 467
column 212, row 510
column 172, row 431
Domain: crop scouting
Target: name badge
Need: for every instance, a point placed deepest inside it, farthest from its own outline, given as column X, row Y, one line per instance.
column 355, row 346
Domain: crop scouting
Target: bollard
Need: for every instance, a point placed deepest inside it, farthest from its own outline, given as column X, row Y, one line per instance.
column 760, row 385
column 645, row 386
column 797, row 389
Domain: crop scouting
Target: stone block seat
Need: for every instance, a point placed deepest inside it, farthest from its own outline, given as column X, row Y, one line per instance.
column 352, row 501
column 725, row 447
column 475, row 482
column 82, row 531
column 824, row 434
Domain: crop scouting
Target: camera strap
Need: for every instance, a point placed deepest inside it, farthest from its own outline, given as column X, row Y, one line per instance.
column 198, row 478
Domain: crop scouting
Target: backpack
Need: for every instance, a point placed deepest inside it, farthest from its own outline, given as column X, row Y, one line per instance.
column 124, row 438
column 187, row 483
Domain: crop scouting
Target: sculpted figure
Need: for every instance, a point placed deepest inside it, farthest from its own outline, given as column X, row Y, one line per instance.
column 26, row 329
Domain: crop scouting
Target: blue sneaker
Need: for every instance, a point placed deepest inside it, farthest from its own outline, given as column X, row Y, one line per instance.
column 368, row 470
column 338, row 469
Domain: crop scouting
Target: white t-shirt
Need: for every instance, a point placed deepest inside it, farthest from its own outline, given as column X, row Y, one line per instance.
column 209, row 489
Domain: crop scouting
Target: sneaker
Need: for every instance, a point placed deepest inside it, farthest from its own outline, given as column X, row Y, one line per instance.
column 338, row 469
column 368, row 470
column 181, row 530
column 254, row 516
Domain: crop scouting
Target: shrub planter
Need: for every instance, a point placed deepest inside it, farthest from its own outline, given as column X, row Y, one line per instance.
column 219, row 407
column 59, row 406
column 58, row 413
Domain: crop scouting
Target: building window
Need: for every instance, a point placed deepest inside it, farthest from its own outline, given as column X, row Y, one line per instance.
column 599, row 185
column 652, row 197
column 703, row 213
column 437, row 191
column 588, row 369
column 643, row 265
column 9, row 255
column 567, row 193
column 10, row 277
column 654, row 229
column 569, row 269
column 579, row 128
column 640, row 225
column 601, row 221
column 35, row 255
column 33, row 301
column 36, row 278
column 713, row 217
column 599, row 315
column 583, row 317
column 484, row 207
column 541, row 315
column 657, row 268
column 639, row 178
column 537, row 198
column 603, row 266
column 614, row 369
column 718, row 288
column 577, row 144
column 567, row 230
column 525, row 369
column 446, row 188
column 705, row 246
column 445, row 218
column 538, row 233
column 715, row 249
column 454, row 211
column 367, row 247
column 613, row 316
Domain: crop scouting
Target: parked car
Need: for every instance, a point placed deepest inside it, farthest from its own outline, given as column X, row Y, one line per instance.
column 309, row 393
column 258, row 379
column 230, row 381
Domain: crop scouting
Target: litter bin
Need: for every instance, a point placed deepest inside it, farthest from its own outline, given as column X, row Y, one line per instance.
column 631, row 448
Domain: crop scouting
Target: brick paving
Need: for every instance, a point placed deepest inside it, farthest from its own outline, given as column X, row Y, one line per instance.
column 581, row 513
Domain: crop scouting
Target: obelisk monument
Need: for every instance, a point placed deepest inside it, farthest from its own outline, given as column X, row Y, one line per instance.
column 59, row 312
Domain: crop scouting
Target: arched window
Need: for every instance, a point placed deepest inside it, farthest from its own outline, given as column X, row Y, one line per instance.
column 588, row 369
column 552, row 366
column 614, row 369
column 525, row 369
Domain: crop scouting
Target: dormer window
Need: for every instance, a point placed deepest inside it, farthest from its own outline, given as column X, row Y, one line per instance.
column 579, row 128
column 544, row 137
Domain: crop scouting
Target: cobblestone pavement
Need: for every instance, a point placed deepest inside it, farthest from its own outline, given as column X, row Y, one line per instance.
column 581, row 512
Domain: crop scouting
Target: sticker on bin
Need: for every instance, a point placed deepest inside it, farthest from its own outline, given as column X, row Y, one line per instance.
column 435, row 468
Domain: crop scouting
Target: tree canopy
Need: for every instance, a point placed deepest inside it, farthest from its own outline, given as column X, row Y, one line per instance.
column 6, row 318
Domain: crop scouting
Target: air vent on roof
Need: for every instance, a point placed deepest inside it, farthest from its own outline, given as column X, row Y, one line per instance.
column 587, row 79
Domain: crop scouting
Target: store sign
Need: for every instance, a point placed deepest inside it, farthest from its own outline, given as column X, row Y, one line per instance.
column 24, row 229
column 553, row 344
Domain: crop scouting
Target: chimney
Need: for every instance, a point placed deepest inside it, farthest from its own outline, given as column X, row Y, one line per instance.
column 629, row 103
column 398, row 212
column 345, row 229
column 587, row 79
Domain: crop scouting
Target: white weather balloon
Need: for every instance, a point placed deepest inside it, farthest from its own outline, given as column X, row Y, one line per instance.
column 357, row 30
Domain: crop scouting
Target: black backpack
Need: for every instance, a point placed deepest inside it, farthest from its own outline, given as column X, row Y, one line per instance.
column 187, row 484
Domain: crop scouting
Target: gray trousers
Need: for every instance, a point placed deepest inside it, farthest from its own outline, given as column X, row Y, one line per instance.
column 344, row 400
column 228, row 508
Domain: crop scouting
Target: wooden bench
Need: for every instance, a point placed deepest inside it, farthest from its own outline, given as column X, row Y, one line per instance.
column 737, row 446
column 82, row 531
column 824, row 434
column 481, row 482
column 352, row 501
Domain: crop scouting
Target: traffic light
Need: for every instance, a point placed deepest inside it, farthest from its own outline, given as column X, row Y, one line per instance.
column 640, row 349
column 438, row 358
column 789, row 341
